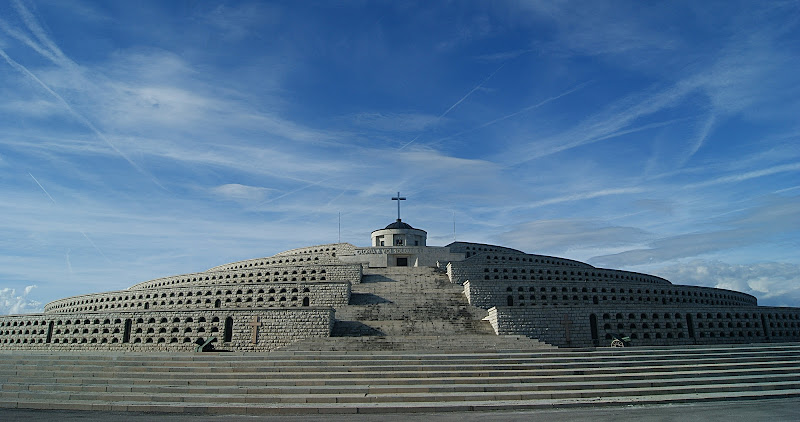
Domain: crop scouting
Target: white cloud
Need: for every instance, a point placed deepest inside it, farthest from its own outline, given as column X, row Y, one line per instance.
column 11, row 303
column 239, row 192
column 773, row 283
column 557, row 236
column 774, row 217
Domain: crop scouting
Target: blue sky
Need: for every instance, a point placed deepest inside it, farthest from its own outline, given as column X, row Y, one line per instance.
column 146, row 139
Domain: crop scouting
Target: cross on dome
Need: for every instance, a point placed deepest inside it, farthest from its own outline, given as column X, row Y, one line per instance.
column 398, row 198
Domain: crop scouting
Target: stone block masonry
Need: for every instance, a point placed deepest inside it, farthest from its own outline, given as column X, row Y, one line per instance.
column 586, row 326
column 234, row 329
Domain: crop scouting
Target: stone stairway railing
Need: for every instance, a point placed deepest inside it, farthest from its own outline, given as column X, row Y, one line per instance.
column 397, row 381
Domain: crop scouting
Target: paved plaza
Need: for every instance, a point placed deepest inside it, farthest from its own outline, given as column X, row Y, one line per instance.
column 724, row 411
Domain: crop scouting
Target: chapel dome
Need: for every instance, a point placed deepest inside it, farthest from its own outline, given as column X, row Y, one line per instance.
column 399, row 225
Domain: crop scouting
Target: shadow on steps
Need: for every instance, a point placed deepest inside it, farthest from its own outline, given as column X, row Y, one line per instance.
column 366, row 299
column 354, row 329
column 376, row 278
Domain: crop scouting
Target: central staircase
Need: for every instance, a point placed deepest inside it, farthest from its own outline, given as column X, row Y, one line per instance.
column 412, row 308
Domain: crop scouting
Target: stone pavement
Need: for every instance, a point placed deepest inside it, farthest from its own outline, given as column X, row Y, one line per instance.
column 776, row 410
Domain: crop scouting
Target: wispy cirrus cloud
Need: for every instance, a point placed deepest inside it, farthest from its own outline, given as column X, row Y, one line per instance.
column 773, row 283
column 748, row 69
column 776, row 216
column 563, row 235
column 239, row 192
column 741, row 177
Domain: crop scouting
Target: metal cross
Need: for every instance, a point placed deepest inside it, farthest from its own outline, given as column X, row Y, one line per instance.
column 567, row 323
column 254, row 324
column 398, row 198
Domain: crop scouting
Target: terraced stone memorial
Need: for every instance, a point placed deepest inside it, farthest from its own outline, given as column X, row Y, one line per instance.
column 397, row 326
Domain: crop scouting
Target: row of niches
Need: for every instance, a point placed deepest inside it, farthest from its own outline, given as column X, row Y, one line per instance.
column 679, row 294
column 314, row 273
column 656, row 335
column 533, row 260
column 481, row 249
column 519, row 273
column 139, row 330
column 321, row 293
column 700, row 325
column 567, row 300
column 301, row 255
column 766, row 316
column 311, row 250
column 644, row 334
column 259, row 301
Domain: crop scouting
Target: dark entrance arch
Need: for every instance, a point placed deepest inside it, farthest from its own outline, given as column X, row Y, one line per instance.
column 593, row 325
column 126, row 333
column 228, row 329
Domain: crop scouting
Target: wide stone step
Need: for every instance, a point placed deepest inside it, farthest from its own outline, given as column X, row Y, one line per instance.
column 410, row 385
column 395, row 396
column 328, row 378
column 178, row 376
column 260, row 409
column 304, row 358
column 549, row 355
column 147, row 373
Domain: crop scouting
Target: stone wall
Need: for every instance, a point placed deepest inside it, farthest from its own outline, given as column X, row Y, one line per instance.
column 201, row 296
column 585, row 326
column 165, row 330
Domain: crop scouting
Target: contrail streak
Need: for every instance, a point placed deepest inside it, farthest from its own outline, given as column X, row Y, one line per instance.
column 528, row 108
column 296, row 190
column 471, row 91
column 441, row 116
column 82, row 232
column 27, row 41
column 37, row 30
column 78, row 116
column 701, row 138
column 95, row 247
column 42, row 187
column 69, row 264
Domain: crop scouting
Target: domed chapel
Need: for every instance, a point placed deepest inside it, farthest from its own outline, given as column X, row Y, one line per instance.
column 398, row 293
